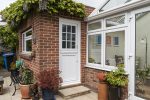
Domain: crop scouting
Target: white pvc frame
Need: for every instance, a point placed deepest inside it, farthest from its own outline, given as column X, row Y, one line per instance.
column 24, row 39
column 103, row 32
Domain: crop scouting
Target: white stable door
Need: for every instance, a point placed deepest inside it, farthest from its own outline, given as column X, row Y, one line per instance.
column 69, row 32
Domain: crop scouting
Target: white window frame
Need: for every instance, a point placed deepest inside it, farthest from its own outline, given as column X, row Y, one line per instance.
column 103, row 31
column 24, row 39
column 95, row 29
column 117, row 26
column 92, row 65
column 125, row 59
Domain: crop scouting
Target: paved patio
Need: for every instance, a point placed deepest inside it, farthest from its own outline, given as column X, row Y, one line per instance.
column 8, row 91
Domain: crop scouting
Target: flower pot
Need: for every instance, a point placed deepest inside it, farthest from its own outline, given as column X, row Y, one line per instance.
column 25, row 91
column 114, row 93
column 47, row 94
column 102, row 91
column 101, row 76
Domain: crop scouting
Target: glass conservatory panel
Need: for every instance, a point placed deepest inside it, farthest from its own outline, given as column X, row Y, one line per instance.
column 142, row 62
column 113, row 3
column 115, row 21
column 94, row 26
column 94, row 48
column 115, row 48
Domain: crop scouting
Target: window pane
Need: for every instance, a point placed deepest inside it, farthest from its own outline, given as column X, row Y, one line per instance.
column 73, row 45
column 28, row 45
column 68, row 44
column 29, row 33
column 68, row 28
column 113, row 3
column 94, row 26
column 115, row 54
column 115, row 21
column 63, row 28
column 64, row 44
column 142, row 62
column 73, row 37
column 64, row 36
column 94, row 49
column 73, row 29
column 68, row 36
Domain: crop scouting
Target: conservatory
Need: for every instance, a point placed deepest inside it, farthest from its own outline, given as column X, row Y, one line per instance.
column 122, row 30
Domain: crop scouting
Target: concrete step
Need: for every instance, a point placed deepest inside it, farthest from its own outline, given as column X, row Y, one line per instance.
column 71, row 92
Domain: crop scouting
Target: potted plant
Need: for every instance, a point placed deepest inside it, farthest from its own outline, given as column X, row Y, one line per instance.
column 116, row 79
column 26, row 82
column 50, row 83
column 102, row 86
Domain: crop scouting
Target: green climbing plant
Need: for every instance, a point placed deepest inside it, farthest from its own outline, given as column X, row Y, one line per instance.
column 21, row 9
column 9, row 38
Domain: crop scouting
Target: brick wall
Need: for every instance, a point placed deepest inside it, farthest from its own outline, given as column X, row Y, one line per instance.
column 46, row 45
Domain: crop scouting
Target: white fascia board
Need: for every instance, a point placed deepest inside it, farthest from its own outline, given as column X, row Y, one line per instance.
column 129, row 6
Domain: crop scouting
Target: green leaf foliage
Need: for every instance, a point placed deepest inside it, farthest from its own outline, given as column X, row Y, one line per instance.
column 8, row 37
column 117, row 77
column 16, row 13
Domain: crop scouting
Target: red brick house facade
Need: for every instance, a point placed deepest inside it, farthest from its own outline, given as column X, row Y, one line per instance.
column 45, row 45
column 45, row 41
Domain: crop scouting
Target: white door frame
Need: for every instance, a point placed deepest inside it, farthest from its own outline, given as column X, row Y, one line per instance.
column 78, row 44
column 132, row 53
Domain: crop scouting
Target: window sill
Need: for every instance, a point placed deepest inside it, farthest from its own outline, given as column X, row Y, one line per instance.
column 26, row 56
column 99, row 67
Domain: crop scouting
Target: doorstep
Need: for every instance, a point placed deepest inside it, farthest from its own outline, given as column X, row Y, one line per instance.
column 75, row 91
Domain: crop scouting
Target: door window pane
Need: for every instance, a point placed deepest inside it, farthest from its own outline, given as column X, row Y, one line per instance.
column 73, row 29
column 64, row 36
column 63, row 28
column 68, row 44
column 73, row 44
column 68, row 28
column 115, row 21
column 142, row 62
column 68, row 37
column 63, row 44
column 94, row 26
column 115, row 54
column 94, row 49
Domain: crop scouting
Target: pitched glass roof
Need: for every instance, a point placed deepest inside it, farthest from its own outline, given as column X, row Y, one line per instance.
column 112, row 3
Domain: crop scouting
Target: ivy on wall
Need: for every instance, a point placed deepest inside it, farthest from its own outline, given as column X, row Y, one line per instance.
column 21, row 9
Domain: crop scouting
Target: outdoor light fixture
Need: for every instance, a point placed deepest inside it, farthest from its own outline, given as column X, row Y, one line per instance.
column 144, row 41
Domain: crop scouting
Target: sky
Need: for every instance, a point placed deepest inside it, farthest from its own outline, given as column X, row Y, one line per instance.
column 93, row 3
column 5, row 3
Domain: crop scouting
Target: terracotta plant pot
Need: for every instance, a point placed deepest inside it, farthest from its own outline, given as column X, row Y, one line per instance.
column 101, row 76
column 102, row 91
column 25, row 91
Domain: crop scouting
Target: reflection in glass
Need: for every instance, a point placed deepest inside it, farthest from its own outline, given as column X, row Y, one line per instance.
column 94, row 49
column 115, row 21
column 113, row 3
column 115, row 50
column 94, row 26
column 28, row 45
column 142, row 62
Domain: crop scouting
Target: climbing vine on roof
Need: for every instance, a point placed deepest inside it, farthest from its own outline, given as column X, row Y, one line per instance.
column 21, row 9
